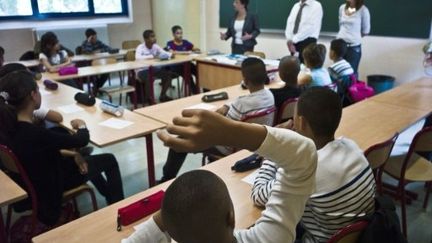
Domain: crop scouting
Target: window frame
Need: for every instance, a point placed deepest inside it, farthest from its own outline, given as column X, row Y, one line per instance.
column 72, row 16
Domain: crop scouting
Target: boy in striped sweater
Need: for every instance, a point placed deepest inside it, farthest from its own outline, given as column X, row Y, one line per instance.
column 340, row 68
column 345, row 185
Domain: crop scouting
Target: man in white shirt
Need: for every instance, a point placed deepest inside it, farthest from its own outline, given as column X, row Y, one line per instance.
column 303, row 25
column 149, row 50
column 198, row 130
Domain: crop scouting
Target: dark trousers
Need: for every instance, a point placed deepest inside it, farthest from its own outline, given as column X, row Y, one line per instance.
column 179, row 70
column 110, row 186
column 101, row 79
column 301, row 45
column 240, row 49
column 353, row 56
column 71, row 82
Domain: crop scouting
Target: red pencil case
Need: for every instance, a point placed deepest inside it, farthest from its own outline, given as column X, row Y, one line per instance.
column 139, row 209
column 68, row 70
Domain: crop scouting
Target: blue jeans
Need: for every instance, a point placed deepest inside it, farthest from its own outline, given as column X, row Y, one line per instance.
column 353, row 56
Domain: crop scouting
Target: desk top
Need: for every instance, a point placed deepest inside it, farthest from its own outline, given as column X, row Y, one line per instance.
column 99, row 135
column 370, row 122
column 77, row 58
column 165, row 112
column 413, row 95
column 101, row 226
column 10, row 192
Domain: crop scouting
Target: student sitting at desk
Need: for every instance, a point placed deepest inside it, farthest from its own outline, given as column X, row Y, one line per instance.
column 289, row 68
column 53, row 58
column 52, row 169
column 181, row 46
column 260, row 99
column 345, row 184
column 314, row 56
column 150, row 50
column 91, row 46
column 197, row 206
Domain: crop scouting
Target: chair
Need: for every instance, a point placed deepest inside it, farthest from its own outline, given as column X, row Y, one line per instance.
column 412, row 168
column 256, row 54
column 350, row 233
column 12, row 165
column 130, row 44
column 265, row 117
column 117, row 89
column 332, row 86
column 286, row 111
column 377, row 155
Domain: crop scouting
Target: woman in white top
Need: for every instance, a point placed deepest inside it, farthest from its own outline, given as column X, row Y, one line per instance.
column 354, row 23
column 243, row 29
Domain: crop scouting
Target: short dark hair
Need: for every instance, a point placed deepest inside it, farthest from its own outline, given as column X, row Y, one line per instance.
column 358, row 5
column 48, row 39
column 254, row 70
column 192, row 197
column 315, row 54
column 289, row 68
column 322, row 109
column 175, row 28
column 339, row 47
column 245, row 3
column 147, row 33
column 90, row 32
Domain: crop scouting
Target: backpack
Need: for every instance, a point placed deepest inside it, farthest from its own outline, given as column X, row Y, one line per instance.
column 359, row 90
column 384, row 226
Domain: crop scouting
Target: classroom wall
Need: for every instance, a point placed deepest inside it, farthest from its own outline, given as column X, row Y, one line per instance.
column 17, row 41
column 399, row 57
column 186, row 13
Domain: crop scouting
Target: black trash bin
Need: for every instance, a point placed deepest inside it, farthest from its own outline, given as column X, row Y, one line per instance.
column 380, row 83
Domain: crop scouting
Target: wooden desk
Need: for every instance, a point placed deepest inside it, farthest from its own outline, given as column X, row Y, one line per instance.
column 101, row 225
column 369, row 122
column 414, row 95
column 165, row 112
column 213, row 75
column 10, row 192
column 77, row 58
column 102, row 135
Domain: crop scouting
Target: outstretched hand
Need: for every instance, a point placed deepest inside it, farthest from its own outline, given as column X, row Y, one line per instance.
column 196, row 130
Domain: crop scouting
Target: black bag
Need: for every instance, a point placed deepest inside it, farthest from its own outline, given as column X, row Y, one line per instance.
column 384, row 226
column 249, row 163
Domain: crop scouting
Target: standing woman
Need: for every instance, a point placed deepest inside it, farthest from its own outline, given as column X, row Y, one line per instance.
column 354, row 23
column 243, row 28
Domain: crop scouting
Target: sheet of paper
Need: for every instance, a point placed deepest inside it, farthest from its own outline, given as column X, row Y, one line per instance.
column 116, row 123
column 68, row 109
column 250, row 178
column 201, row 106
column 273, row 63
column 44, row 92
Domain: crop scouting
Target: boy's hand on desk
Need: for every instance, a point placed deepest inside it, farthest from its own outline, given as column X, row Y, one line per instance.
column 77, row 123
column 197, row 130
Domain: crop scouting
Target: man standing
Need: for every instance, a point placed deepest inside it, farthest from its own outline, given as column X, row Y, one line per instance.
column 303, row 25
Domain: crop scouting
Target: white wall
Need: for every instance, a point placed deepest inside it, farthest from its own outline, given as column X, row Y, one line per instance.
column 399, row 57
column 17, row 41
column 167, row 13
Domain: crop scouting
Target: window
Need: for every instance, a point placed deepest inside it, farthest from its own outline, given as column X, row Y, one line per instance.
column 63, row 6
column 16, row 8
column 46, row 9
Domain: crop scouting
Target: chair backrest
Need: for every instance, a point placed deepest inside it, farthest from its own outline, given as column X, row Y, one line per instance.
column 422, row 142
column 12, row 164
column 286, row 111
column 264, row 117
column 332, row 86
column 78, row 50
column 130, row 56
column 350, row 233
column 130, row 44
column 379, row 153
column 255, row 53
column 103, row 61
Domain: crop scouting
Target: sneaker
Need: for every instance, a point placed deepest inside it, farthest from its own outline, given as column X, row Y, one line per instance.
column 165, row 98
